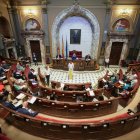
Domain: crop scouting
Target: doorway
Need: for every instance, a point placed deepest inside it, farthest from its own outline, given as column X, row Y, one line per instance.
column 11, row 53
column 35, row 48
column 116, row 53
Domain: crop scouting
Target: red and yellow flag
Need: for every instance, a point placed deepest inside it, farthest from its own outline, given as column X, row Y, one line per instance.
column 62, row 47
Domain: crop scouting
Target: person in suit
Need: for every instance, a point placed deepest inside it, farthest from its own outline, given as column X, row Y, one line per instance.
column 87, row 58
column 74, row 57
column 25, row 110
column 35, row 59
column 10, row 105
column 32, row 75
column 58, row 56
column 3, row 95
column 107, row 62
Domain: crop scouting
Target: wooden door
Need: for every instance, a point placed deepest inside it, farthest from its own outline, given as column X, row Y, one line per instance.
column 115, row 53
column 35, row 47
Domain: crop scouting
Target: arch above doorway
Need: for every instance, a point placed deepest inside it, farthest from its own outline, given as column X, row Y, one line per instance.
column 76, row 10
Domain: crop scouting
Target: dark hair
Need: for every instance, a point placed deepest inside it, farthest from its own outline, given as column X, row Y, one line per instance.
column 100, row 98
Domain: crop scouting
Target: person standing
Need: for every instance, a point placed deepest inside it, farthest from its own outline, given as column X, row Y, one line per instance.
column 70, row 67
column 107, row 62
column 47, row 73
column 35, row 59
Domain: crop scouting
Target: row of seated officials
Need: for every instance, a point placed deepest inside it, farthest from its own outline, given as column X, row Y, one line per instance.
column 74, row 57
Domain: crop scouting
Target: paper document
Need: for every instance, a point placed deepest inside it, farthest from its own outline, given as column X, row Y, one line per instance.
column 91, row 93
column 21, row 96
column 32, row 100
column 18, row 103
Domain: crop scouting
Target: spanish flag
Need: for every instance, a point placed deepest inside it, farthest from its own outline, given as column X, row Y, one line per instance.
column 58, row 49
column 62, row 47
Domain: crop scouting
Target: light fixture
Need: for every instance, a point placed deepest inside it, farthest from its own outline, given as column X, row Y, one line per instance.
column 30, row 12
column 125, row 11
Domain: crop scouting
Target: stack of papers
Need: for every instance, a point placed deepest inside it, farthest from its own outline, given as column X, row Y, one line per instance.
column 21, row 96
column 32, row 100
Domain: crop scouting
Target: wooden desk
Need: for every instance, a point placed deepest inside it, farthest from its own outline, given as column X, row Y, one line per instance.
column 79, row 64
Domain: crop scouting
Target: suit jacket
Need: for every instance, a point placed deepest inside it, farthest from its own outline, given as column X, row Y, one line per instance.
column 87, row 57
column 31, row 75
column 58, row 56
column 26, row 112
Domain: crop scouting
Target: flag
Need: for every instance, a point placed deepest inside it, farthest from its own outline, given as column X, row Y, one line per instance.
column 62, row 47
column 66, row 49
column 58, row 49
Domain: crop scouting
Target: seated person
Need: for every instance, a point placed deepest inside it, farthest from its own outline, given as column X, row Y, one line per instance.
column 5, row 65
column 53, row 96
column 25, row 110
column 100, row 98
column 11, row 105
column 18, row 74
column 74, row 57
column 32, row 75
column 58, row 56
column 113, row 78
column 88, row 57
column 3, row 95
column 19, row 67
column 20, row 84
column 2, row 71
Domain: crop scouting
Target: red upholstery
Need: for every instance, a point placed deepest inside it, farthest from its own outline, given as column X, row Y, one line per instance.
column 120, row 74
column 122, row 116
column 2, row 137
column 78, row 53
column 26, row 71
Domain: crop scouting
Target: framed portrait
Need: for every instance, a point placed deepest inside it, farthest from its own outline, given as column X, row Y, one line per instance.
column 75, row 36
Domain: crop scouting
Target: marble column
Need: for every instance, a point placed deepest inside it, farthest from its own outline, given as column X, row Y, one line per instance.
column 106, row 24
column 45, row 29
column 124, row 51
column 10, row 12
column 108, row 49
column 16, row 28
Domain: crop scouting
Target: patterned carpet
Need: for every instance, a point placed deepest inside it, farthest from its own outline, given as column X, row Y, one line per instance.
column 79, row 76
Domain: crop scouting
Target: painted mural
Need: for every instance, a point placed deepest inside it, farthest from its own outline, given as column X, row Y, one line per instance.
column 32, row 24
column 121, row 25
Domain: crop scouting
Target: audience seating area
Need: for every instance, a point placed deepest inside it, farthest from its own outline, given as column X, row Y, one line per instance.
column 65, row 118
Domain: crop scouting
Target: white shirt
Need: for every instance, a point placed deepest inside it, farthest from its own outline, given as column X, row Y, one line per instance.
column 47, row 71
column 71, row 66
column 107, row 60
